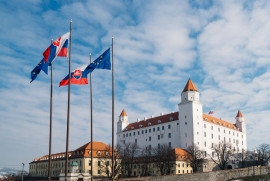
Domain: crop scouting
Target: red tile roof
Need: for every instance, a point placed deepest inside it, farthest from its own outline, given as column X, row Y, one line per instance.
column 219, row 122
column 239, row 114
column 123, row 113
column 152, row 121
column 190, row 86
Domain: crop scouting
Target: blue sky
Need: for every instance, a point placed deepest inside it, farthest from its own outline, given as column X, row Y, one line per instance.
column 223, row 46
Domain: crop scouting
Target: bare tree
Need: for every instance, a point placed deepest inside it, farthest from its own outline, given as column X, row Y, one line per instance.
column 197, row 157
column 127, row 154
column 146, row 158
column 261, row 155
column 222, row 154
column 163, row 158
column 106, row 162
column 242, row 158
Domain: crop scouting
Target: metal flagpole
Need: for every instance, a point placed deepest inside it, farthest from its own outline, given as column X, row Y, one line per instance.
column 68, row 109
column 112, row 115
column 50, row 139
column 91, row 123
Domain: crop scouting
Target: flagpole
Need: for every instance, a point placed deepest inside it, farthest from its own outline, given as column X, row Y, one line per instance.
column 68, row 109
column 50, row 137
column 91, row 123
column 112, row 115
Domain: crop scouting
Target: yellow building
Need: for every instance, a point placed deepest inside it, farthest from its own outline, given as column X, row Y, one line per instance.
column 178, row 165
column 82, row 156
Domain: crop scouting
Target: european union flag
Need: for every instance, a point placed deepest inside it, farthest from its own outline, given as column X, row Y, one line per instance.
column 43, row 65
column 102, row 62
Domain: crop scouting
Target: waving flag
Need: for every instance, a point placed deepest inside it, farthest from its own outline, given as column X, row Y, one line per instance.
column 43, row 65
column 79, row 76
column 211, row 112
column 57, row 48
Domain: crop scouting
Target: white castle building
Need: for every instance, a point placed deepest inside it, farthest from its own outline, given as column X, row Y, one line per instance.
column 188, row 126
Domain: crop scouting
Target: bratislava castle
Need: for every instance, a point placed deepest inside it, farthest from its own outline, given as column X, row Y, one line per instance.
column 188, row 126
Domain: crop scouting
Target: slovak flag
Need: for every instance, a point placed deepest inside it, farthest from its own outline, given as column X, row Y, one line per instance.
column 211, row 112
column 57, row 48
column 78, row 76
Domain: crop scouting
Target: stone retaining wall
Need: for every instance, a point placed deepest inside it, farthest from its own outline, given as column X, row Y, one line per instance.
column 211, row 176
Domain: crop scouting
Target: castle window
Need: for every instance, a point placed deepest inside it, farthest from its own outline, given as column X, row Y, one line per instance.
column 169, row 126
column 169, row 135
column 158, row 137
column 149, row 130
column 149, row 138
column 134, row 133
column 162, row 127
column 142, row 131
column 157, row 128
column 154, row 129
column 138, row 132
column 146, row 131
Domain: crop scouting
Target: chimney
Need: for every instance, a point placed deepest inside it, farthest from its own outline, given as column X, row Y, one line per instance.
column 145, row 118
column 152, row 116
column 138, row 119
column 161, row 114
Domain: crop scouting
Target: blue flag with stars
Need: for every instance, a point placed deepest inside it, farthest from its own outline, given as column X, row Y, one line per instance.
column 102, row 62
column 43, row 65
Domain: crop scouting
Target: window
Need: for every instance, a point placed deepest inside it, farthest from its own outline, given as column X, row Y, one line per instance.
column 107, row 153
column 162, row 127
column 158, row 137
column 178, row 171
column 183, row 171
column 98, row 163
column 170, row 144
column 107, row 163
column 212, row 136
column 197, row 133
column 212, row 145
column 98, row 171
column 211, row 127
column 149, row 138
column 123, row 135
column 142, row 131
column 169, row 126
column 161, row 136
column 218, row 129
column 136, row 141
column 218, row 137
column 149, row 130
column 129, row 134
column 158, row 146
column 185, row 117
column 178, row 165
column 138, row 132
column 183, row 165
column 88, row 164
column 204, row 134
column 154, row 129
column 204, row 125
column 169, row 135
column 185, row 123
column 171, row 118
column 205, row 143
column 177, row 124
column 159, row 121
column 134, row 133
column 157, row 128
column 146, row 131
column 98, row 153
